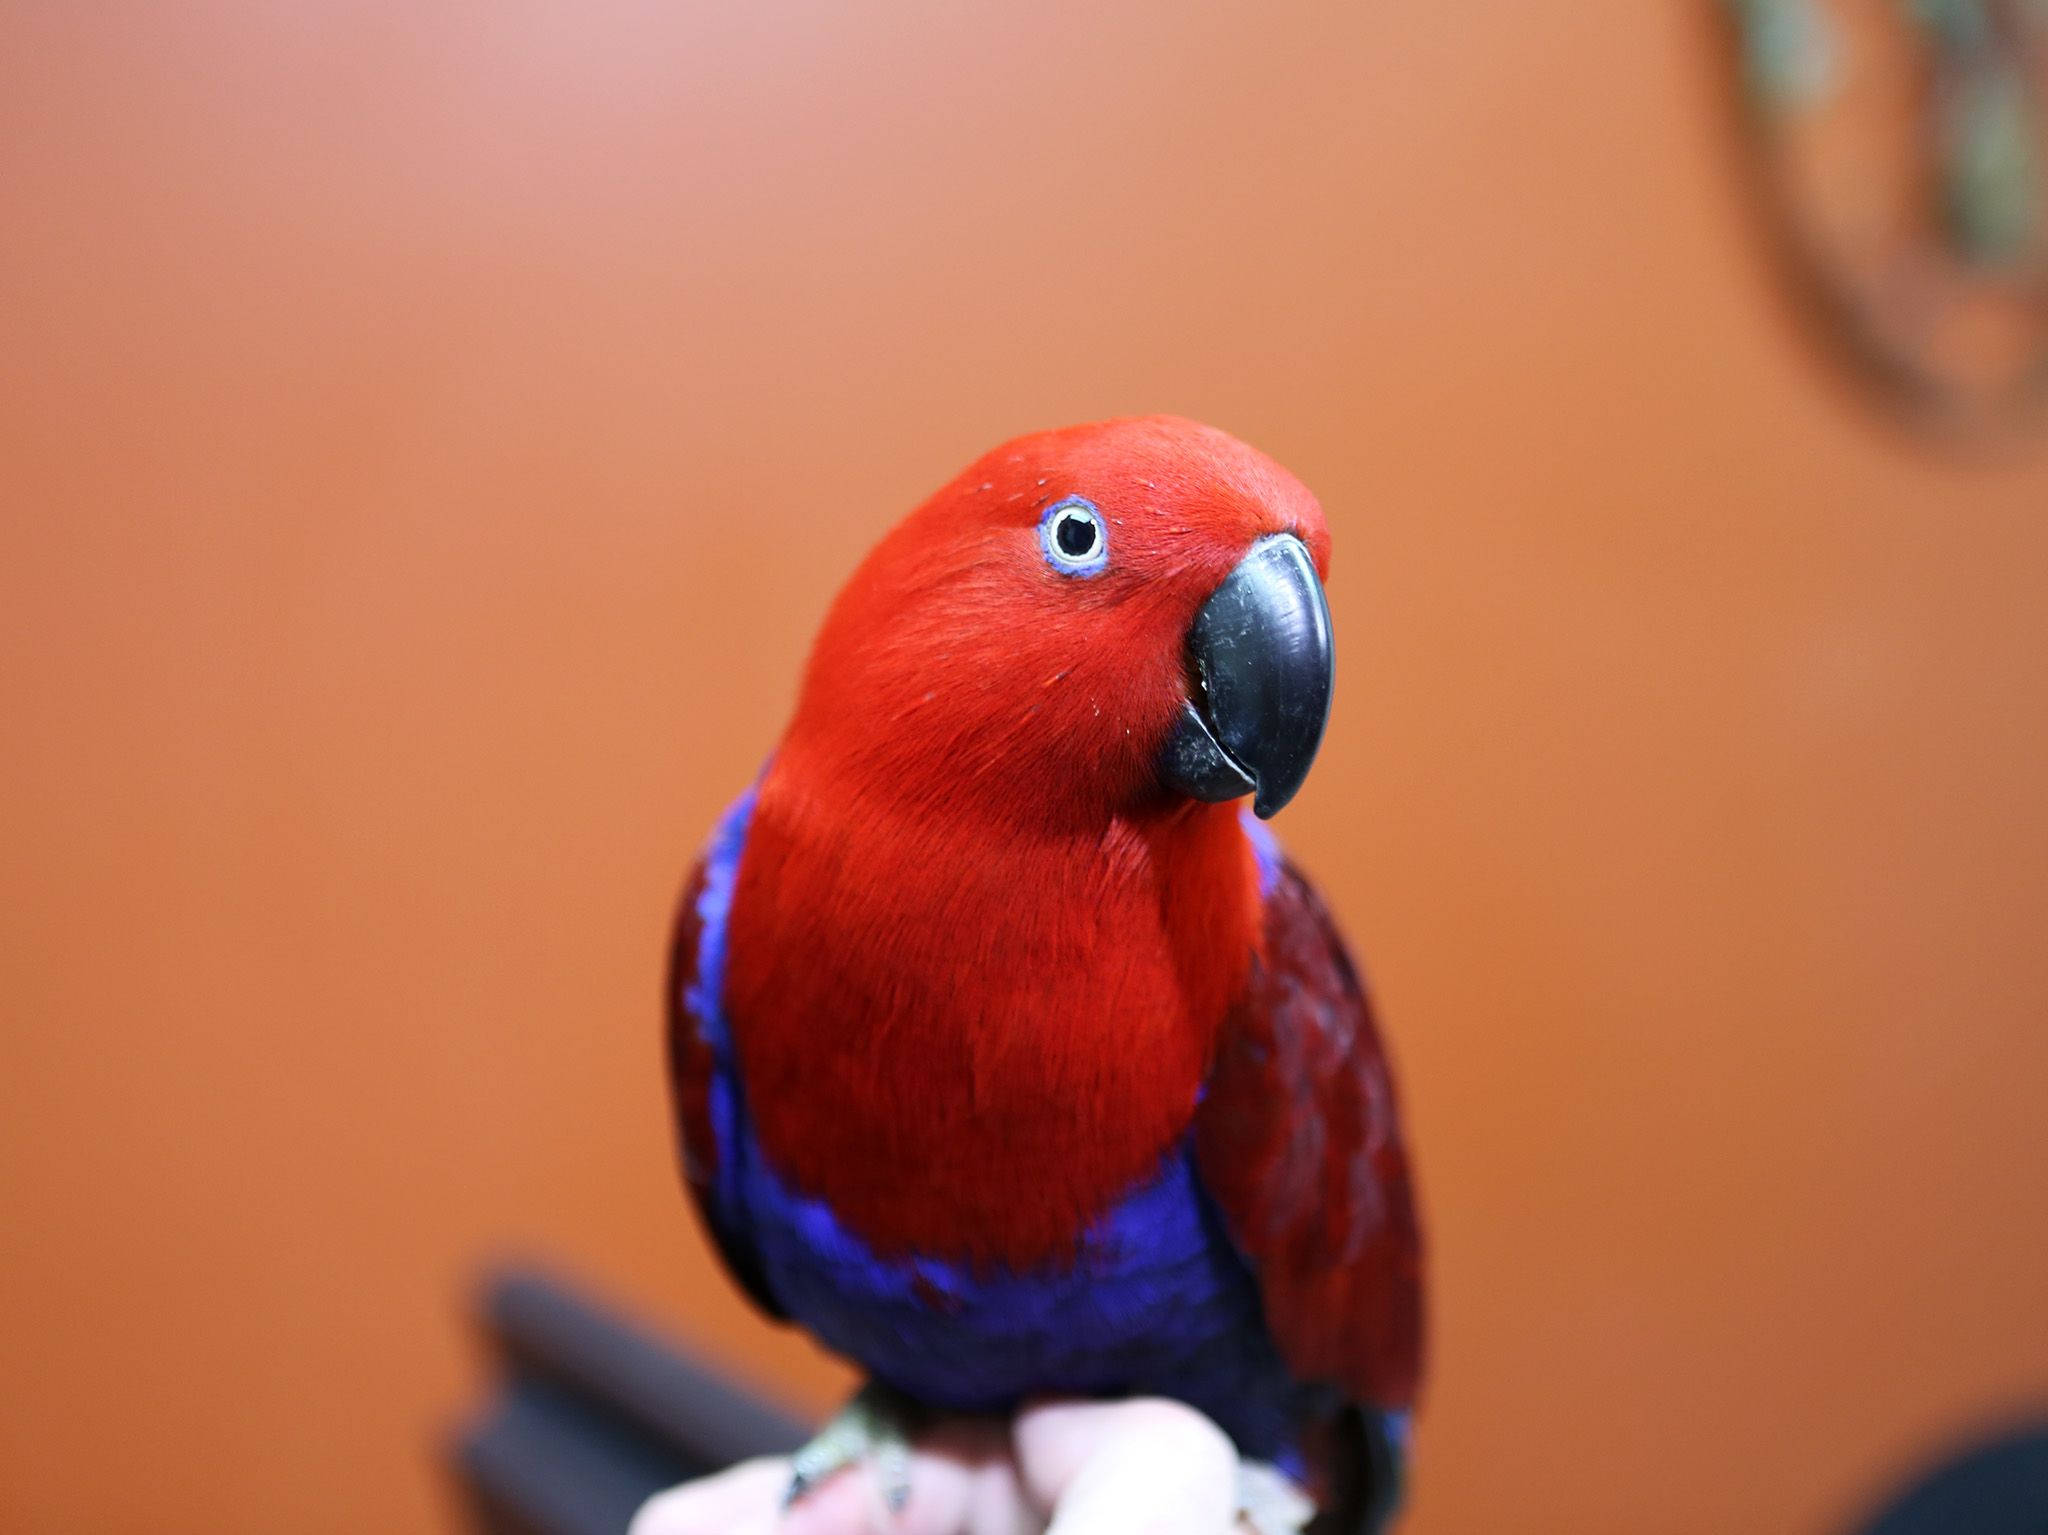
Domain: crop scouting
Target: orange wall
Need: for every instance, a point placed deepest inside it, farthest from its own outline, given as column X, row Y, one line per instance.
column 430, row 437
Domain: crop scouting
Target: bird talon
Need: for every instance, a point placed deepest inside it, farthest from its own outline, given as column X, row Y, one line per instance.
column 1268, row 1502
column 892, row 1470
column 870, row 1429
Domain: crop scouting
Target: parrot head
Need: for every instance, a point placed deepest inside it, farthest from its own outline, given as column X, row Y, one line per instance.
column 1115, row 617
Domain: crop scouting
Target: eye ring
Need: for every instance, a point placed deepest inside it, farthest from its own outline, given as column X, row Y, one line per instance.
column 1074, row 537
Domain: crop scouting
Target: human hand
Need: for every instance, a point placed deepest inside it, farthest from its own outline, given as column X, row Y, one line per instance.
column 1142, row 1467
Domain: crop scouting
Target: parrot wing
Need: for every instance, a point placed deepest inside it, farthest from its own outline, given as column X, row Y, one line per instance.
column 1298, row 1141
column 700, row 1074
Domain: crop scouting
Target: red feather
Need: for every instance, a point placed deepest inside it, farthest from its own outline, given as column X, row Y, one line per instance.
column 1299, row 1142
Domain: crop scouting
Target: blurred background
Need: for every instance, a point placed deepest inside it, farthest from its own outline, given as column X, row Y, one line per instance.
column 430, row 434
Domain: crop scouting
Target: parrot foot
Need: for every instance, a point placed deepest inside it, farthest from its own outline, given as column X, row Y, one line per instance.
column 872, row 1429
column 1268, row 1502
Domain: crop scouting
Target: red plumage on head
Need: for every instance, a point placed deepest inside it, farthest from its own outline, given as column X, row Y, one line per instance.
column 972, row 934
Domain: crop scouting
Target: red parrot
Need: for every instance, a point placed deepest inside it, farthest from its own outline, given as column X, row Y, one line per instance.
column 1010, row 1055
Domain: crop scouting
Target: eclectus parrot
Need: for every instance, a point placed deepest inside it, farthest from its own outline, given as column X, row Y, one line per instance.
column 1011, row 1056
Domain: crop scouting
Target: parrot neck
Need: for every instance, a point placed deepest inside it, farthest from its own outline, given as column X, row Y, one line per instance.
column 970, row 1034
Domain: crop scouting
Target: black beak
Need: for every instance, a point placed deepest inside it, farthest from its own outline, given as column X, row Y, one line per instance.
column 1262, row 664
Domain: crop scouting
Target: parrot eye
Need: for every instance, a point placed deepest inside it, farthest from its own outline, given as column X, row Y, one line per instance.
column 1073, row 537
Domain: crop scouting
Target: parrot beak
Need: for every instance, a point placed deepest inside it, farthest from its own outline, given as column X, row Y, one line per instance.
column 1262, row 662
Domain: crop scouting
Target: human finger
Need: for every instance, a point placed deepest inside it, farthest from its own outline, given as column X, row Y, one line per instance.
column 1142, row 1467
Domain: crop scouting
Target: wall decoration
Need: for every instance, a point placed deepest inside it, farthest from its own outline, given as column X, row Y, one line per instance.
column 1903, row 148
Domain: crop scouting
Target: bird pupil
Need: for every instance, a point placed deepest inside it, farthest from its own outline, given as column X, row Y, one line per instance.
column 1076, row 536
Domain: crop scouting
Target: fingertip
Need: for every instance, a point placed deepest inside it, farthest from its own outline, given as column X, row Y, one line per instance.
column 1117, row 1468
column 1057, row 1438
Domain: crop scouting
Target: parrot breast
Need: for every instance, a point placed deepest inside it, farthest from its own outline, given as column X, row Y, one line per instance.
column 970, row 1037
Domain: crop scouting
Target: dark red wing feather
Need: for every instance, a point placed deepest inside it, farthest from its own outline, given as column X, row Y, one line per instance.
column 1299, row 1143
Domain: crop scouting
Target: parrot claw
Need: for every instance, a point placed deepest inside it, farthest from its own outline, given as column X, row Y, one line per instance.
column 873, row 1429
column 1268, row 1503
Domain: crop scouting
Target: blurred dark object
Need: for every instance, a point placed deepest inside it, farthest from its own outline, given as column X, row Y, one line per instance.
column 593, row 1414
column 1998, row 1487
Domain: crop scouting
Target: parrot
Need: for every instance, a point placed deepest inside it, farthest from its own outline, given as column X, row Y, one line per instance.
column 1010, row 1055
